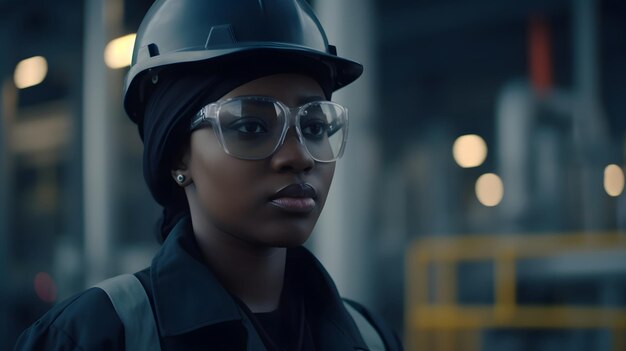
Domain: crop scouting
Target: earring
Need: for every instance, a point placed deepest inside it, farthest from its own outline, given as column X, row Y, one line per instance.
column 180, row 178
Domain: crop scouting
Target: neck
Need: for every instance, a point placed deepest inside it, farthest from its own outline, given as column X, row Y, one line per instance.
column 255, row 274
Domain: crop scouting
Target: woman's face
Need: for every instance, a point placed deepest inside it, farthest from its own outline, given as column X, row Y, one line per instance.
column 243, row 198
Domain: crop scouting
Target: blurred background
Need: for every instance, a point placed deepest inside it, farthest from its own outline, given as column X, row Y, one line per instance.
column 479, row 204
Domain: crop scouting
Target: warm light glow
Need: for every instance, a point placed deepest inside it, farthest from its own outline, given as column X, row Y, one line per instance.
column 45, row 288
column 469, row 151
column 613, row 180
column 30, row 72
column 489, row 189
column 118, row 52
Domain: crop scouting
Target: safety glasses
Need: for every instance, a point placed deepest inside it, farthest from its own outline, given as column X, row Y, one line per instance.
column 254, row 127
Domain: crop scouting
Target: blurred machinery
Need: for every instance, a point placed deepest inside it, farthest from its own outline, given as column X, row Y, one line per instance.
column 534, row 291
column 461, row 289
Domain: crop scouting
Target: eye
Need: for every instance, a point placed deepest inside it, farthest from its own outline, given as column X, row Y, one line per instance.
column 249, row 126
column 315, row 129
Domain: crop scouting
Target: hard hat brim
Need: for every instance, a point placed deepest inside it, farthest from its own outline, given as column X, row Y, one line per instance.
column 140, row 76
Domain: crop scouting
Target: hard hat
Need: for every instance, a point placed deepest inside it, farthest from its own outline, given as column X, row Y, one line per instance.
column 178, row 34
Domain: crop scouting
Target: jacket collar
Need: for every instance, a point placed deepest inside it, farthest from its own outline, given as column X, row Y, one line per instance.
column 188, row 296
column 336, row 329
column 179, row 279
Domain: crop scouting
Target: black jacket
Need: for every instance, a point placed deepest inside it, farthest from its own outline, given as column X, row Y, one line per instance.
column 194, row 312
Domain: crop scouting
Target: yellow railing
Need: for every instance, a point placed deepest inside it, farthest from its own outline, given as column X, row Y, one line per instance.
column 442, row 324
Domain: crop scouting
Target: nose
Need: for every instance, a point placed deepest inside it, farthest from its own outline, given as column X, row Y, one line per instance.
column 292, row 156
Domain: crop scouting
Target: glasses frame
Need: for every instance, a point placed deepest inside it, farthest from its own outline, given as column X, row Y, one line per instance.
column 209, row 115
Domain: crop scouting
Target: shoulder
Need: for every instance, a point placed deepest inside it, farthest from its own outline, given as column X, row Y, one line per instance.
column 388, row 335
column 85, row 321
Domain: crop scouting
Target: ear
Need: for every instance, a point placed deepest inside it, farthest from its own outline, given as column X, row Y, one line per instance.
column 180, row 171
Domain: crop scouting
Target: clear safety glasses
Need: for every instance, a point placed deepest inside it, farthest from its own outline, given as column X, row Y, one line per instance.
column 254, row 127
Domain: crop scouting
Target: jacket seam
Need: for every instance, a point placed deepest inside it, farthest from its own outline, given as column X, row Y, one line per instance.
column 67, row 335
column 51, row 323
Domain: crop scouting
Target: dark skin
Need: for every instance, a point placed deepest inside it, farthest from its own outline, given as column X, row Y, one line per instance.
column 241, row 233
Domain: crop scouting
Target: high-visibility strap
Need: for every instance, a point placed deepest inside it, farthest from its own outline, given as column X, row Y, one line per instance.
column 370, row 335
column 133, row 308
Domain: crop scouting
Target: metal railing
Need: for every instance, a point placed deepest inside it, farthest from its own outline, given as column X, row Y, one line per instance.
column 436, row 321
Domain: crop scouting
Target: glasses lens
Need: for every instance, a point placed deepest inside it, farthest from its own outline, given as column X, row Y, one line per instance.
column 324, row 126
column 251, row 128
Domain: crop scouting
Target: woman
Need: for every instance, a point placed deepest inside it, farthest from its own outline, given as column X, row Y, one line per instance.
column 232, row 101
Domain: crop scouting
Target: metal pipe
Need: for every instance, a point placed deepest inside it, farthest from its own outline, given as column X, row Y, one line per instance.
column 96, row 137
column 341, row 238
column 514, row 123
column 8, row 102
column 590, row 129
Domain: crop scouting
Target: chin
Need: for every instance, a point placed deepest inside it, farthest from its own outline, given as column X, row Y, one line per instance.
column 286, row 237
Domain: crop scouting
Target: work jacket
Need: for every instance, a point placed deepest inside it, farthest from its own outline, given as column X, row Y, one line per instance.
column 193, row 311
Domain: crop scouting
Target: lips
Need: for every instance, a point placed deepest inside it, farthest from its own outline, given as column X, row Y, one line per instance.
column 299, row 198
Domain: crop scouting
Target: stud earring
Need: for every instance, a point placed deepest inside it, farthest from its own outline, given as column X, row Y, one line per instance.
column 180, row 178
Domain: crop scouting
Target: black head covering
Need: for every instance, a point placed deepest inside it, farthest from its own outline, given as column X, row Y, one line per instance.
column 168, row 114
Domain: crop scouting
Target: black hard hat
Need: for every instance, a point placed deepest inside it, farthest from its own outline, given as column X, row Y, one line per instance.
column 176, row 34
